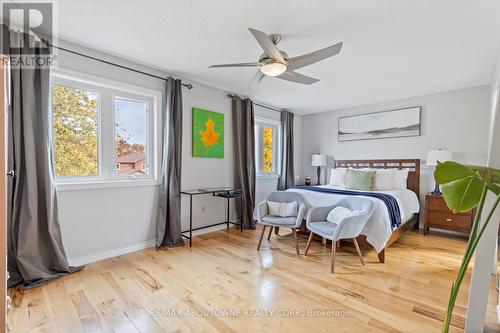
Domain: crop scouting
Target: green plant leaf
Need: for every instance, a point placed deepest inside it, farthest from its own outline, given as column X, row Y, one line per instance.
column 461, row 185
column 489, row 174
column 462, row 195
column 450, row 171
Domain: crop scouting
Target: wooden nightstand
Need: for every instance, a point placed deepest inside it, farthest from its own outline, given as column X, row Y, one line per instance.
column 437, row 215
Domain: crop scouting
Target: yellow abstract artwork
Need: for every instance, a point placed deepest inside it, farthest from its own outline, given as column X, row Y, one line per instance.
column 208, row 133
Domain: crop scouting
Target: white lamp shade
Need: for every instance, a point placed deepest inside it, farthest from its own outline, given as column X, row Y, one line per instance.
column 441, row 155
column 273, row 68
column 318, row 160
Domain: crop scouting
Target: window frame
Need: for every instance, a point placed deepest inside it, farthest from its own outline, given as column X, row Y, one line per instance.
column 259, row 123
column 149, row 136
column 107, row 90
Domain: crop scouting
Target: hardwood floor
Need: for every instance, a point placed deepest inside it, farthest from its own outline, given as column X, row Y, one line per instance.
column 223, row 284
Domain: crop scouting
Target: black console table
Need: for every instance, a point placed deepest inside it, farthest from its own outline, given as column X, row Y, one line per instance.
column 227, row 193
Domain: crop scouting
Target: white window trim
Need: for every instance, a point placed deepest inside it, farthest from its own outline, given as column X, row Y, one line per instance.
column 262, row 121
column 96, row 185
column 107, row 179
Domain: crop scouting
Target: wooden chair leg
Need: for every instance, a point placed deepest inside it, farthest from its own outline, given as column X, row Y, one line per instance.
column 296, row 240
column 333, row 256
column 359, row 251
column 276, row 230
column 309, row 242
column 261, row 236
column 270, row 232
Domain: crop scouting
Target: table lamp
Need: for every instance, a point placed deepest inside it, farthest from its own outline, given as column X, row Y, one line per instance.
column 318, row 160
column 435, row 156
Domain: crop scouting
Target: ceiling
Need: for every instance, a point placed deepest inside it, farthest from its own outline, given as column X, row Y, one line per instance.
column 392, row 48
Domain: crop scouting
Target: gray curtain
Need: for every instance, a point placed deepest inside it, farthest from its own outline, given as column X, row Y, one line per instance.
column 244, row 157
column 168, row 221
column 286, row 180
column 35, row 249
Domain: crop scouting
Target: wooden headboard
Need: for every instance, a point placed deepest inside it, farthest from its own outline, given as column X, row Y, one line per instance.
column 413, row 182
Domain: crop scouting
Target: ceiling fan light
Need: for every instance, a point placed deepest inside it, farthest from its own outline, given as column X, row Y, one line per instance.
column 273, row 68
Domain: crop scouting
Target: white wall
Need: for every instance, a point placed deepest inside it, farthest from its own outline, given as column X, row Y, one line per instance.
column 200, row 172
column 456, row 120
column 494, row 142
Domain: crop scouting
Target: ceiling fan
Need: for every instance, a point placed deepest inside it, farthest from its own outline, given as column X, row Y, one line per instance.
column 276, row 63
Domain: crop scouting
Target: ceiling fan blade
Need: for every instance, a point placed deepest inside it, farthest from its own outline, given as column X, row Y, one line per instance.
column 257, row 78
column 297, row 77
column 313, row 57
column 267, row 45
column 241, row 64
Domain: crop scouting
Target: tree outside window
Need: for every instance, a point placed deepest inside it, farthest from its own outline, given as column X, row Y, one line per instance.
column 75, row 131
column 267, row 149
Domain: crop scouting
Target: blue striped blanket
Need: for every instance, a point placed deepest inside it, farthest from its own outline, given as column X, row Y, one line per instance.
column 390, row 202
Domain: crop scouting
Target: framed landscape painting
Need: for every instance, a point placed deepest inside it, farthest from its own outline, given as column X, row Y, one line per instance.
column 379, row 125
column 208, row 133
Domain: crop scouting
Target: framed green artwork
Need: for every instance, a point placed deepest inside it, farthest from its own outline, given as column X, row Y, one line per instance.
column 208, row 133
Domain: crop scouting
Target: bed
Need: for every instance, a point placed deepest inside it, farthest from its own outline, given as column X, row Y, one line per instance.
column 378, row 233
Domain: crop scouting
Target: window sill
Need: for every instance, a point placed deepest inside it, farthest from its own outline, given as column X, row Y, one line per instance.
column 95, row 185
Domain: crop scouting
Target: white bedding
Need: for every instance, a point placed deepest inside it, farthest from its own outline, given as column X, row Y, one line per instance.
column 378, row 230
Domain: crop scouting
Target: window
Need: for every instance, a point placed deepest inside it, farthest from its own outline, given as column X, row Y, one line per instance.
column 131, row 118
column 75, row 119
column 267, row 136
column 102, row 130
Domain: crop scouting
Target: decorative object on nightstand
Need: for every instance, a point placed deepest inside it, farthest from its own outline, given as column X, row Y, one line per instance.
column 307, row 181
column 318, row 160
column 435, row 156
column 438, row 215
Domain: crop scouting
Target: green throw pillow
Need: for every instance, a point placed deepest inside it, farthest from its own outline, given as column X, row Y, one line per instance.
column 360, row 179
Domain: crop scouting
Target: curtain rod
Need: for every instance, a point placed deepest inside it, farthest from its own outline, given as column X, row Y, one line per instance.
column 258, row 104
column 187, row 85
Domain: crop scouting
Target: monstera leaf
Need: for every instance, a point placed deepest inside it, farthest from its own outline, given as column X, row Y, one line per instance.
column 491, row 177
column 462, row 185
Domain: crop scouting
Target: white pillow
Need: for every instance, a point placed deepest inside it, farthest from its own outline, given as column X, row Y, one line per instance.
column 338, row 177
column 339, row 213
column 384, row 179
column 401, row 178
column 282, row 209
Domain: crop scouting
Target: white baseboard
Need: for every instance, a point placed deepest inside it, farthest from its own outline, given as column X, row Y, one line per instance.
column 93, row 257
column 87, row 259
